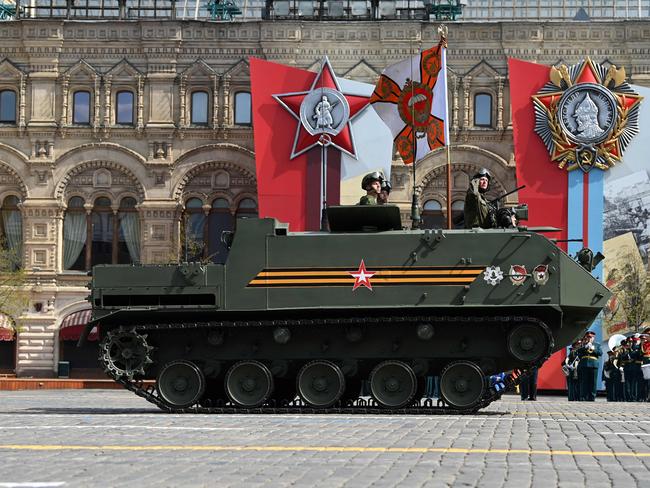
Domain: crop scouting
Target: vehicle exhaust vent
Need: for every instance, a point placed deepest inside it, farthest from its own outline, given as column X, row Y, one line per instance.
column 158, row 300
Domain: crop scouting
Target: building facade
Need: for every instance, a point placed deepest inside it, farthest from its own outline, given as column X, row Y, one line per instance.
column 131, row 141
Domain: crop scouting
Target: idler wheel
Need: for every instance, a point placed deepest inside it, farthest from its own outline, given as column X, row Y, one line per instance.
column 528, row 342
column 393, row 384
column 462, row 384
column 320, row 383
column 180, row 384
column 249, row 384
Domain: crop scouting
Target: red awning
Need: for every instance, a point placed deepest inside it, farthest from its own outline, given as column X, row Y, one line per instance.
column 7, row 332
column 73, row 325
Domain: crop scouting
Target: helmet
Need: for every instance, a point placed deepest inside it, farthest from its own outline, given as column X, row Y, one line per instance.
column 483, row 172
column 370, row 177
column 385, row 186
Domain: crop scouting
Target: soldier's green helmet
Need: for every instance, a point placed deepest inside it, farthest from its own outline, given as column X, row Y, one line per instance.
column 483, row 172
column 369, row 178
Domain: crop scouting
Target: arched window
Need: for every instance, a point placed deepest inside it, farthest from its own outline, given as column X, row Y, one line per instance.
column 114, row 237
column 457, row 208
column 7, row 107
column 124, row 108
column 103, row 223
column 247, row 208
column 432, row 217
column 75, row 234
column 11, row 230
column 81, row 108
column 243, row 113
column 193, row 231
column 128, row 245
column 220, row 220
column 199, row 108
column 483, row 110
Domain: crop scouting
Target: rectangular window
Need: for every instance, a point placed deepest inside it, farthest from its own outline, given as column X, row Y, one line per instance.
column 243, row 114
column 199, row 108
column 124, row 108
column 8, row 106
column 81, row 108
column 483, row 110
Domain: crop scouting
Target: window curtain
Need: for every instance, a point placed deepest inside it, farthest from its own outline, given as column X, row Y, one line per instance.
column 74, row 237
column 130, row 225
column 13, row 229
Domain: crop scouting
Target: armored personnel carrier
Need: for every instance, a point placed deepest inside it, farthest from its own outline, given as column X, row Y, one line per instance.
column 296, row 321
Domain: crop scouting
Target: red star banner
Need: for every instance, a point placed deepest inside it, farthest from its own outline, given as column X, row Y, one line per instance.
column 287, row 154
column 286, row 188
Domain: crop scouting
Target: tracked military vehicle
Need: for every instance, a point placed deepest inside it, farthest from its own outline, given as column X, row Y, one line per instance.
column 296, row 321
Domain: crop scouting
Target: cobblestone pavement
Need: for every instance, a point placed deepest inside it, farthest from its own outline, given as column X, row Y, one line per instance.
column 112, row 438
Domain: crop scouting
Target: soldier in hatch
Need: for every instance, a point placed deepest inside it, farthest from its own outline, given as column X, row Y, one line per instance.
column 478, row 211
column 372, row 183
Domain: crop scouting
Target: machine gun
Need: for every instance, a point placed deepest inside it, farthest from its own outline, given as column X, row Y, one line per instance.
column 520, row 211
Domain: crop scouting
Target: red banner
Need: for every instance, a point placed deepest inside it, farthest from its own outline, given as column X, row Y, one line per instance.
column 287, row 189
column 546, row 191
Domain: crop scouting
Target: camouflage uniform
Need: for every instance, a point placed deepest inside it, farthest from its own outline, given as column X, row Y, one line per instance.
column 478, row 212
column 368, row 200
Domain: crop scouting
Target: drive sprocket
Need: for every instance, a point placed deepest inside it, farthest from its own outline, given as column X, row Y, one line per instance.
column 124, row 353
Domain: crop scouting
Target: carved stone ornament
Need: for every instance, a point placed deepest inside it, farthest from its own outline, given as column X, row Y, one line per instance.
column 586, row 115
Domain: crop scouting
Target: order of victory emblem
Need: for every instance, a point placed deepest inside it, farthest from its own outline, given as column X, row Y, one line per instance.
column 493, row 275
column 586, row 115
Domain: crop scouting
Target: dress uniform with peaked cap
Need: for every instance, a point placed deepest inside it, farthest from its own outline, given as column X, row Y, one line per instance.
column 589, row 355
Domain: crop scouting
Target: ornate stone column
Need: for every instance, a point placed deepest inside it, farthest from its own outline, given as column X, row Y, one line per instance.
column 107, row 102
column 65, row 89
column 96, row 115
column 140, row 124
column 454, row 104
column 500, row 82
column 182, row 100
column 21, row 110
column 215, row 101
column 467, row 82
column 226, row 119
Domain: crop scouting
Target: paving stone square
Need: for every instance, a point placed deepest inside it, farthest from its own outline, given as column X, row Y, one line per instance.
column 110, row 438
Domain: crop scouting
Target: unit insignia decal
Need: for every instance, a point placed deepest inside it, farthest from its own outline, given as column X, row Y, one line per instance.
column 518, row 274
column 586, row 115
column 362, row 277
column 540, row 274
column 493, row 275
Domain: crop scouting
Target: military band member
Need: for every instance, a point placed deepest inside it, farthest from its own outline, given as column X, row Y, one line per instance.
column 528, row 387
column 372, row 184
column 611, row 376
column 619, row 384
column 628, row 374
column 645, row 358
column 589, row 355
column 571, row 369
column 637, row 360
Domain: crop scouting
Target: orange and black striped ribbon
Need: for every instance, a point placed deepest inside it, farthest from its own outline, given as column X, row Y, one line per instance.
column 382, row 276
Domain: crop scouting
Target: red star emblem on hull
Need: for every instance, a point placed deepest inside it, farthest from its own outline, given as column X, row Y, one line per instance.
column 362, row 277
column 304, row 140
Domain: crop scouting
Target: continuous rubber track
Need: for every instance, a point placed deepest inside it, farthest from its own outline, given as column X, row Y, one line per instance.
column 424, row 406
